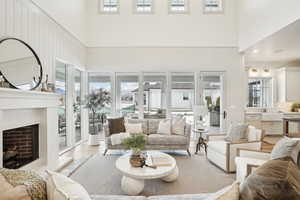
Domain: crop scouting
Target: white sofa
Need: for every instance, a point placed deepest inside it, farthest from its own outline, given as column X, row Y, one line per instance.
column 222, row 153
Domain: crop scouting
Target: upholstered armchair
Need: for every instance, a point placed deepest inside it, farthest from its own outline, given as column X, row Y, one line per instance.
column 248, row 160
column 222, row 153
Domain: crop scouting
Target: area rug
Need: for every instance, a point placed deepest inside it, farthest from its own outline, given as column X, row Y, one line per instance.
column 196, row 175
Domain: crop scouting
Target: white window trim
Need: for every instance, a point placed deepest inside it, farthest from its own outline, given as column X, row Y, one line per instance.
column 186, row 10
column 135, row 11
column 101, row 6
column 213, row 12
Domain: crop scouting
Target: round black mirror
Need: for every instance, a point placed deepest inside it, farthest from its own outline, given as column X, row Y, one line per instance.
column 19, row 64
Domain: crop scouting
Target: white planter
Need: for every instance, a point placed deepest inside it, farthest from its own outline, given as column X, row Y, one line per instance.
column 94, row 140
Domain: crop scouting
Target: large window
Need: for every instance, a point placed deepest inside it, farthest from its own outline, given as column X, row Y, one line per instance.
column 61, row 88
column 127, row 94
column 154, row 95
column 213, row 6
column 182, row 94
column 77, row 105
column 97, row 82
column 178, row 6
column 260, row 92
column 109, row 6
column 143, row 6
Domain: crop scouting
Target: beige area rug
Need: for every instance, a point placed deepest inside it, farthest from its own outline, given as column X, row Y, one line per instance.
column 197, row 175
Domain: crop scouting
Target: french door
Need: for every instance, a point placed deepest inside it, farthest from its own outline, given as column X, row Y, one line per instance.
column 212, row 94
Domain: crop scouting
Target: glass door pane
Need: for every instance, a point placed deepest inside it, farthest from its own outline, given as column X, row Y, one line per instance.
column 127, row 94
column 183, row 94
column 155, row 95
column 61, row 88
column 97, row 82
column 212, row 96
column 77, row 105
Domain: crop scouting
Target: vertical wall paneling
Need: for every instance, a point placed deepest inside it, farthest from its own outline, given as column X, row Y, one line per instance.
column 24, row 20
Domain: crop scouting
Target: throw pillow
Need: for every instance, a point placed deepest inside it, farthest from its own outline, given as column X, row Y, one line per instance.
column 164, row 127
column 60, row 187
column 21, row 185
column 276, row 179
column 116, row 125
column 178, row 126
column 254, row 134
column 229, row 193
column 237, row 133
column 283, row 148
column 133, row 128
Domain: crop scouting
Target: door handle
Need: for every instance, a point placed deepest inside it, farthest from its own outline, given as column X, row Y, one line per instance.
column 224, row 114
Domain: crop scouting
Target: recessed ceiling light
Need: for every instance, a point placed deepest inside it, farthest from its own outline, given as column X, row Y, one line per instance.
column 255, row 51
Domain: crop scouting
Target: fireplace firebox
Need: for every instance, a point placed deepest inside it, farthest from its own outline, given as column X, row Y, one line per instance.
column 20, row 146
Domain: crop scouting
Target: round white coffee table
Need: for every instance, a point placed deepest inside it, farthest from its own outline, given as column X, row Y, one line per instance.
column 133, row 178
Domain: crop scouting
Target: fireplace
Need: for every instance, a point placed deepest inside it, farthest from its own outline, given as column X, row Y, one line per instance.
column 20, row 146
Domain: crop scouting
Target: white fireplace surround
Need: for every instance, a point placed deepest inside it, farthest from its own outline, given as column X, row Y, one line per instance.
column 23, row 108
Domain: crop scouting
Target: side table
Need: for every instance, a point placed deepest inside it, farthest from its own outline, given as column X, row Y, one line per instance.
column 201, row 141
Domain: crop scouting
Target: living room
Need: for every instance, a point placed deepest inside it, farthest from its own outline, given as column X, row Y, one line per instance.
column 149, row 99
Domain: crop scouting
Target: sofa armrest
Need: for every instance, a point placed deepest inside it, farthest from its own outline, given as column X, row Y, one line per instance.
column 252, row 153
column 215, row 136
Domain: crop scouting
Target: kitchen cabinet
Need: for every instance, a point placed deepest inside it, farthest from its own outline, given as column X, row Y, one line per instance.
column 288, row 84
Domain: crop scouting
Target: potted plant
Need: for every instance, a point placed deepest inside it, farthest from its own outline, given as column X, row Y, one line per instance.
column 136, row 143
column 296, row 107
column 96, row 101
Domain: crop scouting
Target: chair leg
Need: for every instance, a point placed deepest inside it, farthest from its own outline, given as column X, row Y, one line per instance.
column 105, row 151
column 189, row 153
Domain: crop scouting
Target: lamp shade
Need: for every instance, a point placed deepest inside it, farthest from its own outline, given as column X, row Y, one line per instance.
column 200, row 110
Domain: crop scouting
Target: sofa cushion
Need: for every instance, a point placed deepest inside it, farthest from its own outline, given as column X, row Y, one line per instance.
column 178, row 126
column 237, row 133
column 117, row 197
column 153, row 126
column 218, row 146
column 276, row 179
column 164, row 127
column 134, row 128
column 144, row 123
column 116, row 125
column 158, row 139
column 284, row 148
column 60, row 187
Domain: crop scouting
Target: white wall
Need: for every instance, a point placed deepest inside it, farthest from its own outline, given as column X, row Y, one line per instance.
column 160, row 28
column 179, row 59
column 259, row 19
column 24, row 20
column 72, row 14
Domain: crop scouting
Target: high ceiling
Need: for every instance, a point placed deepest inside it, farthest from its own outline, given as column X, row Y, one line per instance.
column 278, row 49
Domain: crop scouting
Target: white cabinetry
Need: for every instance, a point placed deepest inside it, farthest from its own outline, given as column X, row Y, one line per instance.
column 288, row 80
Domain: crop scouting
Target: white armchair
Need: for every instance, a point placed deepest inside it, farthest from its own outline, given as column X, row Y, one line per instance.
column 248, row 160
column 222, row 153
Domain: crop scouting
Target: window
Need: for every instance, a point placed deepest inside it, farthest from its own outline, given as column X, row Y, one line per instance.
column 178, row 6
column 154, row 95
column 61, row 88
column 97, row 82
column 109, row 6
column 213, row 6
column 77, row 105
column 260, row 92
column 143, row 6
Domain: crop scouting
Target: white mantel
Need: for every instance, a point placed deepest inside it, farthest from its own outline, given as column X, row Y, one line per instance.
column 22, row 108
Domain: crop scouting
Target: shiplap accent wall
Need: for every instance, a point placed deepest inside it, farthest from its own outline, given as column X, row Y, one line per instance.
column 23, row 19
